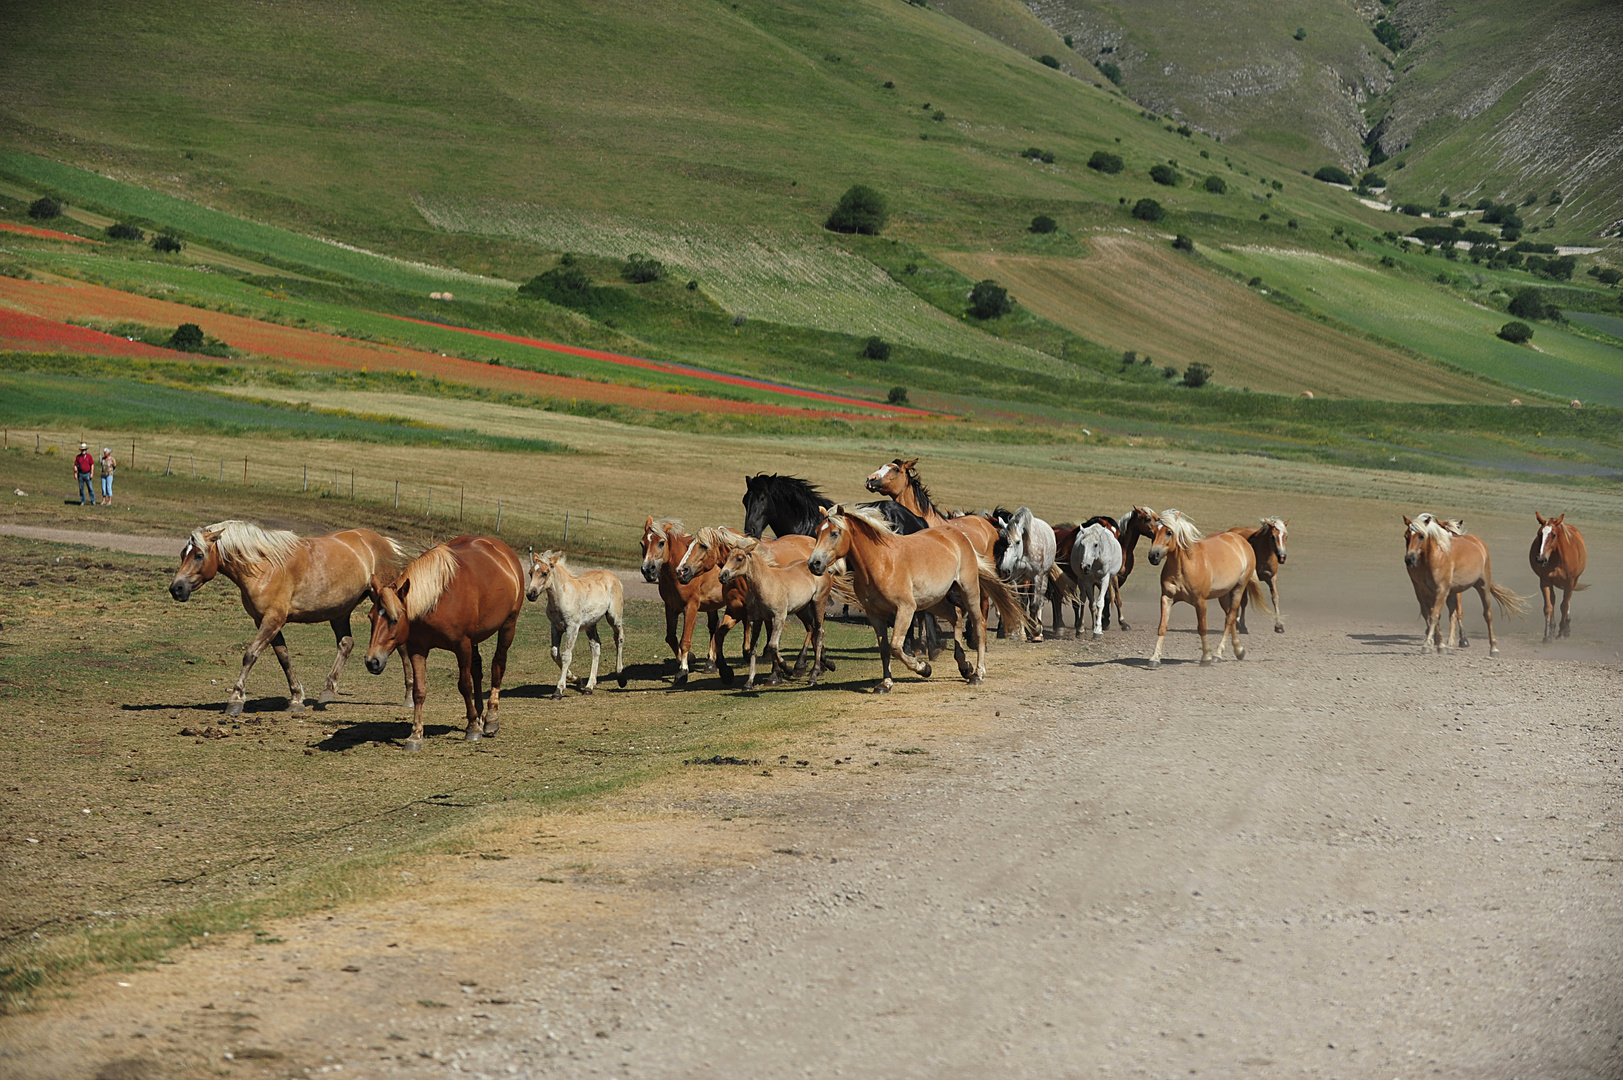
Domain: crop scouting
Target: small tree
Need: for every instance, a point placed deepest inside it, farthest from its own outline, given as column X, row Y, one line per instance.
column 1105, row 162
column 1196, row 375
column 1517, row 333
column 1387, row 35
column 1165, row 175
column 1609, row 276
column 1333, row 174
column 1048, row 61
column 860, row 210
column 641, row 269
column 188, row 337
column 1111, row 71
column 166, row 243
column 1216, row 185
column 120, row 230
column 989, row 300
column 565, row 284
column 45, row 209
column 1183, row 243
column 1148, row 210
column 1528, row 303
column 1301, row 33
column 876, row 348
column 897, row 395
column 1169, row 372
column 1042, row 223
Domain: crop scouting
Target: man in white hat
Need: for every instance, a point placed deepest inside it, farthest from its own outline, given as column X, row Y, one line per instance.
column 85, row 466
column 108, row 464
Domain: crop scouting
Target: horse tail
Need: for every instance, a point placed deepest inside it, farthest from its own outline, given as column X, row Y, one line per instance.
column 1008, row 605
column 1580, row 587
column 1062, row 583
column 841, row 584
column 1509, row 602
column 1253, row 591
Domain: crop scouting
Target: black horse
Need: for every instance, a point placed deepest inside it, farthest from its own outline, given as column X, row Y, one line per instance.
column 789, row 505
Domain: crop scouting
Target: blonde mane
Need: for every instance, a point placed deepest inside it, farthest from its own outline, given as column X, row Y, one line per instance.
column 1182, row 529
column 669, row 526
column 429, row 574
column 244, row 543
column 1432, row 528
column 839, row 513
column 553, row 559
column 1276, row 523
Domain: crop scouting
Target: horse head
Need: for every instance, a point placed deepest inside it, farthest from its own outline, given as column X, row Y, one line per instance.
column 390, row 627
column 199, row 562
column 1139, row 521
column 542, row 566
column 1414, row 541
column 833, row 540
column 656, row 545
column 755, row 505
column 891, row 479
column 1546, row 534
column 699, row 557
column 738, row 557
column 1277, row 531
column 1173, row 531
column 1010, row 548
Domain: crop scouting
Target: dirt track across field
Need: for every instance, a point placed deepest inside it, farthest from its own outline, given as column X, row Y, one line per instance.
column 1338, row 858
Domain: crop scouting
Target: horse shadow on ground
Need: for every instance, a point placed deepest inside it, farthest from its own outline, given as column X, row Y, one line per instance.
column 249, row 708
column 1140, row 662
column 392, row 732
column 1390, row 641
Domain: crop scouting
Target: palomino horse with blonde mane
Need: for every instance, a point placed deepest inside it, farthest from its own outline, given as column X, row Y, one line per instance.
column 665, row 542
column 711, row 547
column 1221, row 567
column 285, row 578
column 575, row 601
column 1557, row 556
column 1443, row 561
column 451, row 597
column 1268, row 544
column 892, row 576
column 775, row 591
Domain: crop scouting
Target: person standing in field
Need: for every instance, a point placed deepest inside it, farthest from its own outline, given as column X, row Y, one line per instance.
column 85, row 466
column 108, row 464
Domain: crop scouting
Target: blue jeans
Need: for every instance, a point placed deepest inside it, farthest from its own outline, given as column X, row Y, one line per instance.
column 107, row 486
column 87, row 486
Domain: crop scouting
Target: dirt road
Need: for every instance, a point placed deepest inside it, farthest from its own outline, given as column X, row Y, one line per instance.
column 1339, row 858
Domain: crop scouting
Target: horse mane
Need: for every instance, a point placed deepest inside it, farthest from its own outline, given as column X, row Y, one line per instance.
column 554, row 559
column 1098, row 519
column 247, row 543
column 841, row 515
column 1431, row 527
column 920, row 492
column 429, row 574
column 1182, row 529
column 902, row 521
column 669, row 526
column 789, row 488
column 1275, row 523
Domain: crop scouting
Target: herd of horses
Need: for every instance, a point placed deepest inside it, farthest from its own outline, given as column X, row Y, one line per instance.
column 903, row 561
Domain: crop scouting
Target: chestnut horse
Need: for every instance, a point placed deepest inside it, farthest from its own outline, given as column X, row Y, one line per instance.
column 900, row 481
column 1557, row 556
column 285, row 578
column 664, row 543
column 893, row 576
column 1443, row 561
column 451, row 597
column 1137, row 522
column 1268, row 544
column 1221, row 567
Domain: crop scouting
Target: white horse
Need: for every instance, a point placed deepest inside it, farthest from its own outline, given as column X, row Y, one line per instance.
column 574, row 601
column 1028, row 555
column 1095, row 562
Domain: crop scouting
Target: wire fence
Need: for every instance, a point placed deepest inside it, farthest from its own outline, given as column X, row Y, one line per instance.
column 468, row 507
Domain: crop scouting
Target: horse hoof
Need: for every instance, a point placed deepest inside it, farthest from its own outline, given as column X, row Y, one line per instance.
column 727, row 676
column 622, row 678
column 681, row 679
column 586, row 690
column 1279, row 628
column 710, row 668
column 828, row 665
column 491, row 728
column 1493, row 652
column 976, row 680
column 557, row 693
column 799, row 672
column 1154, row 664
column 295, row 708
column 472, row 736
column 925, row 670
column 1120, row 625
column 1206, row 661
column 1239, row 653
column 413, row 745
column 1095, row 637
column 882, row 688
column 327, row 696
column 775, row 680
column 234, row 709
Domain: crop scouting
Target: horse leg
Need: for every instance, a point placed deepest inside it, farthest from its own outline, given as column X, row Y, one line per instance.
column 417, row 674
column 774, row 635
column 464, row 683
column 564, row 654
column 1548, row 592
column 1239, row 625
column 556, row 631
column 597, row 656
column 960, row 638
column 1161, row 631
column 817, row 643
column 711, row 622
column 1487, row 615
column 1231, row 608
column 1206, row 658
column 617, row 624
column 1056, row 605
column 671, row 637
column 1115, row 592
column 1273, row 594
column 682, row 648
column 1566, row 610
column 719, row 639
column 295, row 688
column 346, row 645
column 498, row 669
column 806, row 618
column 1100, row 599
column 976, row 629
column 1457, row 622
column 269, row 630
column 752, row 642
column 405, row 663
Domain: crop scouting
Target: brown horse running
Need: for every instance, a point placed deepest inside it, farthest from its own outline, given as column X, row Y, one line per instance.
column 1268, row 544
column 892, row 576
column 1140, row 521
column 1443, row 561
column 451, row 597
column 664, row 543
column 1198, row 569
column 1558, row 557
column 285, row 578
column 899, row 480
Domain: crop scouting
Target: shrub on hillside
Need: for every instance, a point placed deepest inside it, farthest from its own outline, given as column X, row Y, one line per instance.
column 1048, row 61
column 860, row 210
column 1388, row 35
column 876, row 348
column 1301, row 33
column 1036, row 154
column 897, row 395
column 1372, row 179
column 45, row 209
column 1196, row 375
column 1444, row 201
column 1165, row 175
column 188, row 337
column 1111, row 71
column 565, row 284
column 1042, row 223
column 1183, row 243
column 1148, row 210
column 641, row 269
column 1609, row 276
column 1527, row 303
column 120, row 230
column 989, row 300
column 1517, row 333
column 1105, row 162
column 166, row 243
column 1534, row 247
column 1332, row 174
column 1216, row 185
column 1412, row 209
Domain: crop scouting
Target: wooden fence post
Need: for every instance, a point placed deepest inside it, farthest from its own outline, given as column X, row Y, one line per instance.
column 307, row 478
column 167, row 464
column 461, row 501
column 566, row 528
column 397, row 494
column 498, row 515
column 245, row 469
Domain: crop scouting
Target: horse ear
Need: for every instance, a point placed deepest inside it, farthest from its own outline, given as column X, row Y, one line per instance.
column 1406, row 522
column 211, row 535
column 1559, row 518
column 823, row 510
column 1540, row 518
column 910, row 464
column 402, row 589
